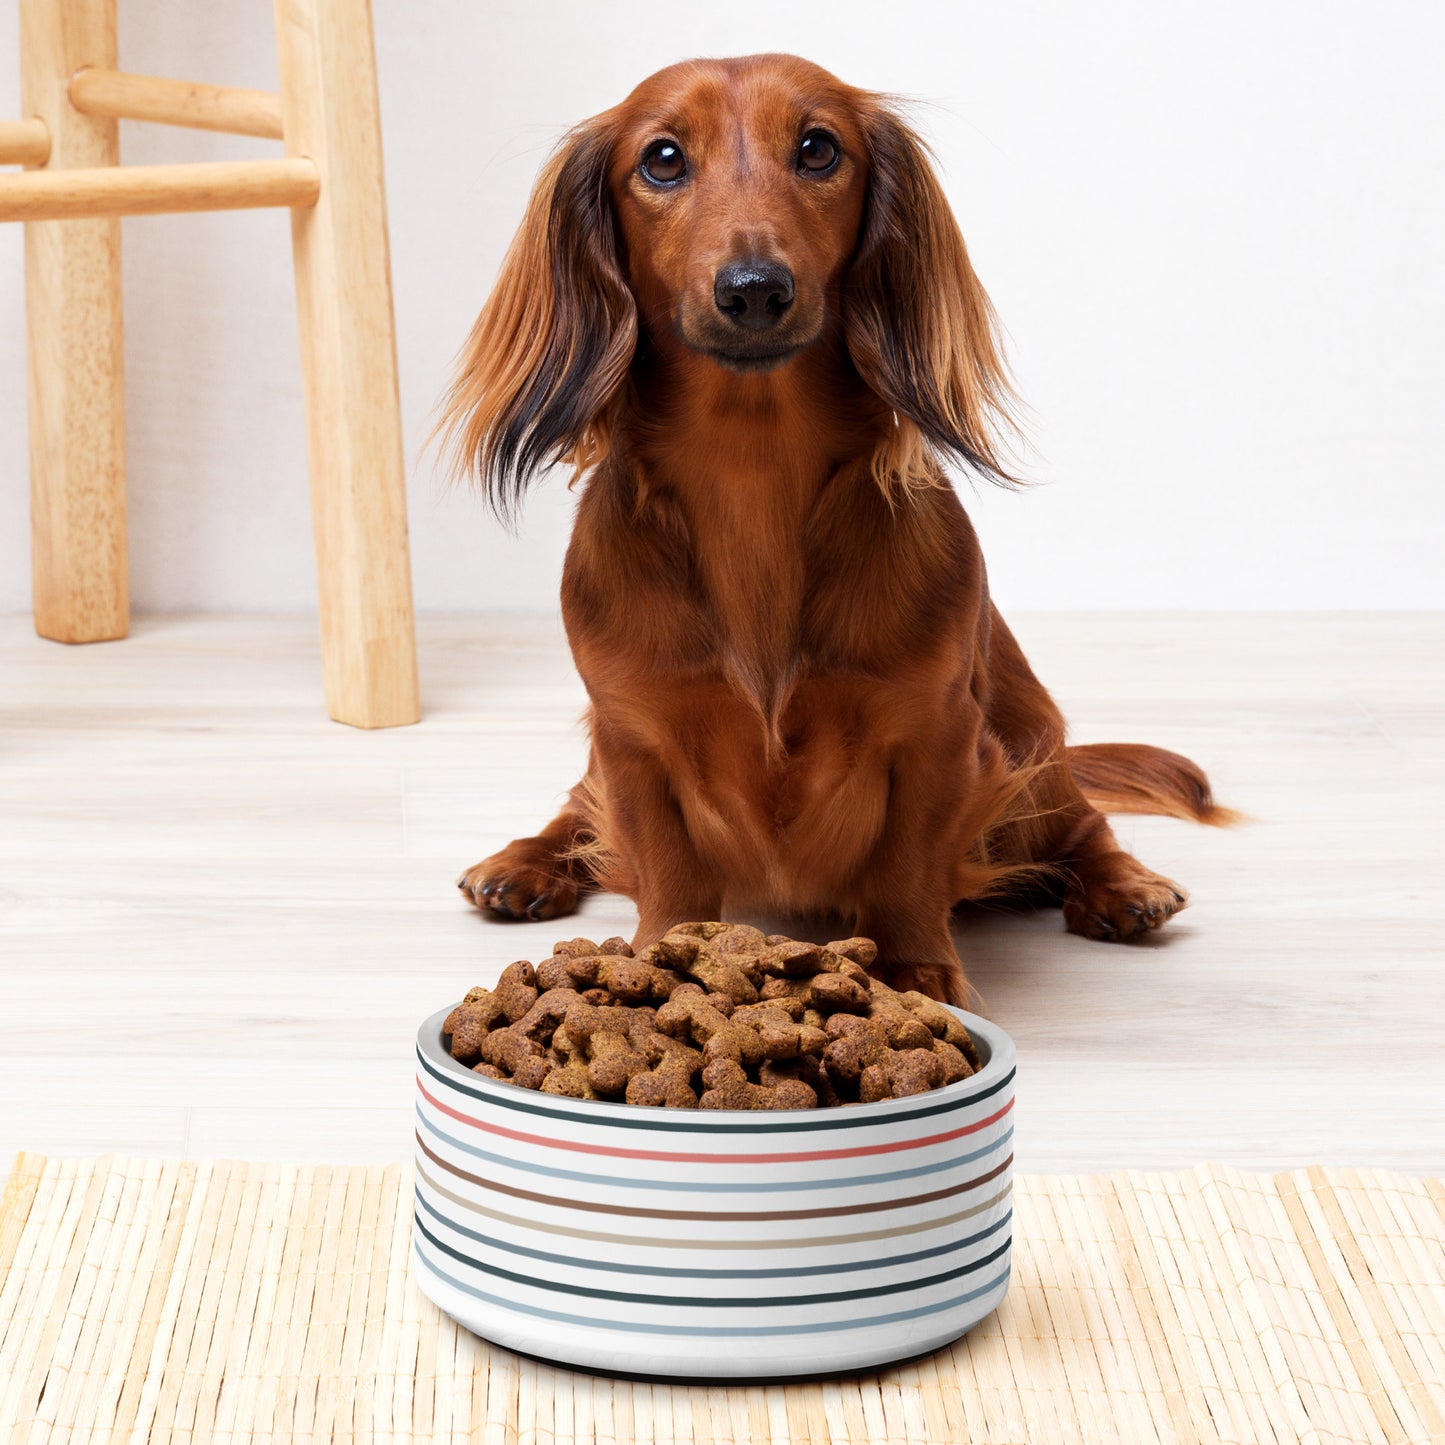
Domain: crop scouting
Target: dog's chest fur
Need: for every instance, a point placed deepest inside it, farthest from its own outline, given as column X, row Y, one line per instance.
column 774, row 660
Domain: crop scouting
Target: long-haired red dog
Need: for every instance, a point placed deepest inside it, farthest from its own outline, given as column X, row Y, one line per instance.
column 740, row 305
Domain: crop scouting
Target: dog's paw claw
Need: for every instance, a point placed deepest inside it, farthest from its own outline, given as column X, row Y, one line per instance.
column 1121, row 902
column 518, row 890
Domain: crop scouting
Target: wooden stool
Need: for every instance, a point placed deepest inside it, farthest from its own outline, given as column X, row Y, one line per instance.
column 331, row 179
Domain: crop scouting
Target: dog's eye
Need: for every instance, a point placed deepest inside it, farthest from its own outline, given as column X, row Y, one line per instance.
column 664, row 162
column 817, row 153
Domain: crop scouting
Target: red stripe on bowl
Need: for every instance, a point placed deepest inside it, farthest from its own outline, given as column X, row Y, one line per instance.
column 792, row 1157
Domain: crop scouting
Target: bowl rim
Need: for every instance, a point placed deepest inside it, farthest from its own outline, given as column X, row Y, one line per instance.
column 995, row 1075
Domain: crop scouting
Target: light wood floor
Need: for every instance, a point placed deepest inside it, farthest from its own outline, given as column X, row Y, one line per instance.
column 222, row 916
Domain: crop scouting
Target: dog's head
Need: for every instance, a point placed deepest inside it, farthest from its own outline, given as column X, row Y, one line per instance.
column 730, row 214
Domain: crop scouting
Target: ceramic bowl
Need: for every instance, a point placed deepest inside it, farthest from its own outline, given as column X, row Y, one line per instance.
column 697, row 1244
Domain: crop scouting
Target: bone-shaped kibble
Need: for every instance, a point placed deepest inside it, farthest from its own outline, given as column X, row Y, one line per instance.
column 862, row 951
column 955, row 1062
column 603, row 1034
column 904, row 1030
column 689, row 955
column 739, row 938
column 470, row 1022
column 541, row 1021
column 781, row 1036
column 797, row 960
column 727, row 1086
column 941, row 1023
column 694, row 1018
column 629, row 980
column 516, row 989
column 522, row 1058
column 856, row 1044
column 832, row 993
column 570, row 1081
column 807, row 1069
column 668, row 1083
column 898, row 1074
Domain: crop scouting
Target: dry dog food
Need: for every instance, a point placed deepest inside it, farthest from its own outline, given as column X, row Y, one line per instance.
column 713, row 1016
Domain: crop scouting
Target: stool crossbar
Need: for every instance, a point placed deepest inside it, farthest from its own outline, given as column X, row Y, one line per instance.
column 71, row 197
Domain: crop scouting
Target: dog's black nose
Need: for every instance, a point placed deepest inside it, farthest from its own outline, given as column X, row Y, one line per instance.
column 755, row 294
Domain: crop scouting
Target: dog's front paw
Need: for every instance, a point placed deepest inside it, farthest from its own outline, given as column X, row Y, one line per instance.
column 513, row 885
column 1116, row 899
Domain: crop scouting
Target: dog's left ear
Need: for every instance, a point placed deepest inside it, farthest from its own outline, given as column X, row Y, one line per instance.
column 919, row 325
column 544, row 362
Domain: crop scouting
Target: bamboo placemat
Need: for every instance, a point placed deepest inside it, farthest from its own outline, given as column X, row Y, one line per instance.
column 152, row 1300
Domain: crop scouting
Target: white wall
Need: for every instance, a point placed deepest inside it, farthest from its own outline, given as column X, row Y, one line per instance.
column 1213, row 230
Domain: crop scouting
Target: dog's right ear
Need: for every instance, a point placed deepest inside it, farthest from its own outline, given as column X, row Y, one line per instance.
column 546, row 358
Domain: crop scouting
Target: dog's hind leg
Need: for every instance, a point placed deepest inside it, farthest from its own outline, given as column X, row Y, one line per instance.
column 1106, row 892
column 539, row 877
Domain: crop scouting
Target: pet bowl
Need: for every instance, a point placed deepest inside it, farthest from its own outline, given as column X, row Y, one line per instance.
column 699, row 1244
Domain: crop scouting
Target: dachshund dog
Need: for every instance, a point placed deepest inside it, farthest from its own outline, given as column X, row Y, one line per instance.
column 740, row 309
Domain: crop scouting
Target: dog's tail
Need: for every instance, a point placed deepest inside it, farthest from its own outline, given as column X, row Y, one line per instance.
column 1135, row 778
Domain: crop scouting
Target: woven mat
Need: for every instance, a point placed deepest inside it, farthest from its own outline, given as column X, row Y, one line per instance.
column 160, row 1299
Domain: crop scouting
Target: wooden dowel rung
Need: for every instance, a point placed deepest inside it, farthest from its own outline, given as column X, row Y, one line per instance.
column 24, row 143
column 124, row 96
column 148, row 190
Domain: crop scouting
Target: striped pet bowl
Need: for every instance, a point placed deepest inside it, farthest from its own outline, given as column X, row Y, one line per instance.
column 696, row 1244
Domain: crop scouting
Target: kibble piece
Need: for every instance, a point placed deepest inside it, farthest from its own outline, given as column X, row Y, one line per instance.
column 904, row 1030
column 668, row 1083
column 862, row 951
column 727, row 1086
column 524, row 1059
column 542, row 1020
column 516, row 989
column 899, row 1074
column 470, row 1022
column 955, row 1063
column 603, row 1034
column 795, row 960
column 695, row 1018
column 807, row 1069
column 552, row 973
column 688, row 955
column 575, row 947
column 704, row 931
column 570, row 1081
column 779, row 988
column 832, row 993
column 941, row 1023
column 739, row 938
column 781, row 1036
column 618, row 947
column 629, row 980
column 856, row 1043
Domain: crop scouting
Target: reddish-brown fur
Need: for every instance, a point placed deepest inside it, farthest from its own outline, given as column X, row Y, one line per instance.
column 802, row 699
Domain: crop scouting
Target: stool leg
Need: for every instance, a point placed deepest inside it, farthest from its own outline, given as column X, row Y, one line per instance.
column 72, row 306
column 348, row 360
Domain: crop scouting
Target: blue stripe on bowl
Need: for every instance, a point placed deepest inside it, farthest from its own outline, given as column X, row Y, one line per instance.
column 760, row 1302
column 721, row 1331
